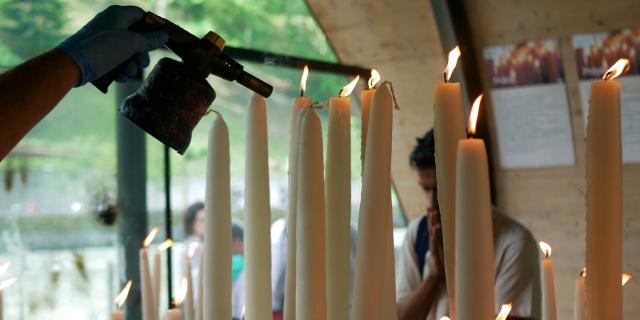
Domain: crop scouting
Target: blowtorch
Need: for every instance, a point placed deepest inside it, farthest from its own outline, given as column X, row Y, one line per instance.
column 176, row 95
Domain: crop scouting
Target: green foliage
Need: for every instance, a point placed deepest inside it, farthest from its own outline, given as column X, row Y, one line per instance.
column 31, row 27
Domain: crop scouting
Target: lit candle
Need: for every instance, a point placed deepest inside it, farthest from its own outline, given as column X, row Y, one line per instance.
column 299, row 104
column 157, row 272
column 580, row 296
column 119, row 301
column 216, row 267
column 148, row 308
column 374, row 257
column 3, row 285
column 311, row 294
column 548, row 288
column 449, row 128
column 188, row 300
column 505, row 309
column 475, row 275
column 365, row 100
column 174, row 313
column 257, row 210
column 338, row 203
column 604, row 194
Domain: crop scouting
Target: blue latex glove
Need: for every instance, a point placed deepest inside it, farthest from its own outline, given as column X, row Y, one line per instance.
column 105, row 42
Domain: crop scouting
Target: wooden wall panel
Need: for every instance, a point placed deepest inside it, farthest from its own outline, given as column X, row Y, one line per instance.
column 400, row 39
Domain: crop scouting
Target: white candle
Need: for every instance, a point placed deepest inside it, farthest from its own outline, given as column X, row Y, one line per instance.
column 449, row 128
column 146, row 284
column 580, row 297
column 173, row 314
column 604, row 194
column 311, row 297
column 188, row 301
column 299, row 104
column 373, row 256
column 257, row 208
column 475, row 274
column 200, row 308
column 548, row 288
column 365, row 109
column 216, row 299
column 338, row 205
column 3, row 285
column 157, row 273
column 120, row 300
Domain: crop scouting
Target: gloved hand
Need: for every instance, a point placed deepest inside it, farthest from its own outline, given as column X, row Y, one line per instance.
column 105, row 42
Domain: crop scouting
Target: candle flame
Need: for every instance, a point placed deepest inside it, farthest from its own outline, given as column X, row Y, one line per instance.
column 7, row 283
column 451, row 63
column 618, row 68
column 4, row 267
column 445, row 318
column 122, row 296
column 150, row 237
column 504, row 312
column 473, row 117
column 375, row 78
column 165, row 245
column 193, row 246
column 244, row 311
column 184, row 286
column 346, row 90
column 625, row 278
column 546, row 249
column 583, row 273
column 303, row 80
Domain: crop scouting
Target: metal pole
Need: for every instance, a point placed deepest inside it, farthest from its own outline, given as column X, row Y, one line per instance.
column 132, row 199
column 168, row 222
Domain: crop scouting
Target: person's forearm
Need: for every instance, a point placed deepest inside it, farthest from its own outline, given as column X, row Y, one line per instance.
column 420, row 302
column 30, row 91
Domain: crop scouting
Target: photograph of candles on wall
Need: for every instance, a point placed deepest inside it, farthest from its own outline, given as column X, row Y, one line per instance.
column 594, row 54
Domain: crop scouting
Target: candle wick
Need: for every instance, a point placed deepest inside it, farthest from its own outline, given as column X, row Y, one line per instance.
column 301, row 93
column 445, row 77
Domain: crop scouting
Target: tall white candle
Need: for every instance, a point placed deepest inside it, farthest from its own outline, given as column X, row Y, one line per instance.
column 548, row 288
column 311, row 297
column 199, row 306
column 146, row 284
column 580, row 297
column 365, row 110
column 372, row 256
column 174, row 312
column 604, row 194
column 188, row 300
column 216, row 300
column 338, row 205
column 475, row 274
column 157, row 274
column 449, row 128
column 3, row 285
column 257, row 213
column 299, row 104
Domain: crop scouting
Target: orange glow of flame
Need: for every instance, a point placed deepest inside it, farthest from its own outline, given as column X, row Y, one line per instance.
column 7, row 283
column 346, row 91
column 122, row 296
column 184, row 286
column 165, row 245
column 375, row 78
column 451, row 63
column 625, row 278
column 4, row 267
column 473, row 116
column 504, row 312
column 150, row 237
column 546, row 249
column 618, row 68
column 303, row 80
column 192, row 249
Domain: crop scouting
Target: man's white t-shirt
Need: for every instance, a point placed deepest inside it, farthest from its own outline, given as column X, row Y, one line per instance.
column 517, row 265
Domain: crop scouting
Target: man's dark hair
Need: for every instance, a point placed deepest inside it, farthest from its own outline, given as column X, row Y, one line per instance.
column 190, row 217
column 423, row 155
column 237, row 231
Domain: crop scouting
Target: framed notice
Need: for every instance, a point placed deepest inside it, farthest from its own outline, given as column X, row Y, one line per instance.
column 595, row 53
column 530, row 105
